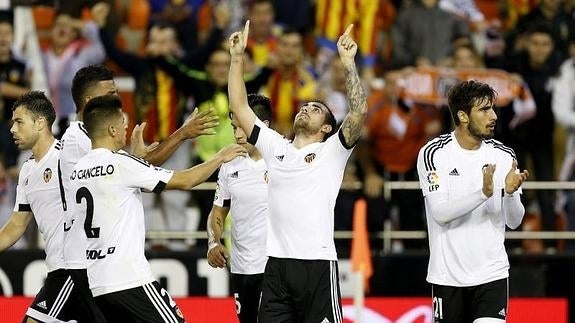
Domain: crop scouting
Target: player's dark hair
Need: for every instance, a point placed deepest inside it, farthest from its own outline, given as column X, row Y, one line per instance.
column 38, row 104
column 329, row 118
column 86, row 78
column 464, row 95
column 99, row 112
column 261, row 105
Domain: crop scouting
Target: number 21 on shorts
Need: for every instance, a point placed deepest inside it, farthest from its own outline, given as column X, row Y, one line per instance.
column 438, row 307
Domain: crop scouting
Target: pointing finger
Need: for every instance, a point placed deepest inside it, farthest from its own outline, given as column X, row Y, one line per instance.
column 246, row 30
column 348, row 30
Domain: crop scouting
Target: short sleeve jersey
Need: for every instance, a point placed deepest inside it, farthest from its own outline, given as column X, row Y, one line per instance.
column 242, row 186
column 75, row 144
column 38, row 191
column 470, row 250
column 303, row 187
column 106, row 187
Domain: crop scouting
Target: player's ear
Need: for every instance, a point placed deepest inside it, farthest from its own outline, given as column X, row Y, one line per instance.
column 462, row 116
column 112, row 130
column 326, row 128
column 40, row 123
column 267, row 122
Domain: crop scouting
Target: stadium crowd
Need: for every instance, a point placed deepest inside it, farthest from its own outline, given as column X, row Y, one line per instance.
column 410, row 53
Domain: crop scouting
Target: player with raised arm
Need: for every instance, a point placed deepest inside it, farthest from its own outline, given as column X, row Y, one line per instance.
column 242, row 190
column 106, row 186
column 472, row 191
column 301, row 275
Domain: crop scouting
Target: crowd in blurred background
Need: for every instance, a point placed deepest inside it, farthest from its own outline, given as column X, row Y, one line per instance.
column 170, row 57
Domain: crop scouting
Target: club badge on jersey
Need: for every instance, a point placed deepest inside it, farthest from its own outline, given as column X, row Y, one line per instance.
column 47, row 175
column 433, row 180
column 309, row 158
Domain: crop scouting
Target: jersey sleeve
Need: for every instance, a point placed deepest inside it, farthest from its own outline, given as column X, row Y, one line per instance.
column 22, row 204
column 138, row 173
column 222, row 196
column 337, row 149
column 265, row 139
column 432, row 179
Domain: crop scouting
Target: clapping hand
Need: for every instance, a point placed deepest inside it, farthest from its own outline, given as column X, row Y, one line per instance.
column 513, row 180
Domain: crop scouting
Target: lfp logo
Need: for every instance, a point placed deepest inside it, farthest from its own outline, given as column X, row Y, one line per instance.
column 433, row 180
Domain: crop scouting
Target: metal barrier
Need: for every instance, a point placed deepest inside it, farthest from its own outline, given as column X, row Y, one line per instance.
column 387, row 235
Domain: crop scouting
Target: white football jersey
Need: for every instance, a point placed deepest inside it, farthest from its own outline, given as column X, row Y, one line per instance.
column 469, row 250
column 106, row 187
column 38, row 191
column 242, row 186
column 75, row 145
column 303, row 187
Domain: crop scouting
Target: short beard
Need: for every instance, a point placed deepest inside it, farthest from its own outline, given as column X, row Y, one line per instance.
column 301, row 127
column 475, row 132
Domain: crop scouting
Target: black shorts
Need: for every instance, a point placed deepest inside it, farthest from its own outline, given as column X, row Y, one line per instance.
column 247, row 290
column 466, row 304
column 305, row 291
column 54, row 300
column 90, row 312
column 148, row 303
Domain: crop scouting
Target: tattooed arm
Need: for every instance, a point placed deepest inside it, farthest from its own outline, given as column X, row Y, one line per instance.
column 217, row 253
column 352, row 125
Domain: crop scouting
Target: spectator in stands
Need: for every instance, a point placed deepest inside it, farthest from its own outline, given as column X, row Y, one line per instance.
column 534, row 138
column 14, row 82
column 290, row 84
column 14, row 75
column 187, row 19
column 263, row 41
column 563, row 104
column 547, row 12
column 160, row 101
column 423, row 34
column 396, row 132
column 332, row 89
column 209, row 90
column 74, row 44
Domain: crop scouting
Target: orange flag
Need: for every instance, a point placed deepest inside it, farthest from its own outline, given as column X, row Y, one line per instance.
column 360, row 252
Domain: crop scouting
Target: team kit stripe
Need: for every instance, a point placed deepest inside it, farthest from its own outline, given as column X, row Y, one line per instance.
column 62, row 297
column 501, row 146
column 432, row 148
column 337, row 317
column 139, row 160
column 81, row 126
column 429, row 150
column 61, row 185
column 159, row 304
column 39, row 316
